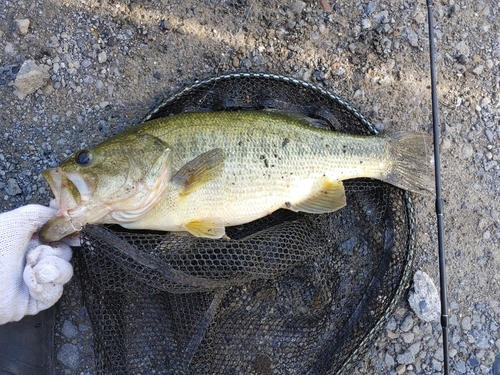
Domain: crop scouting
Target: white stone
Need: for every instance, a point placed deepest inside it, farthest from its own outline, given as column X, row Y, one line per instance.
column 102, row 57
column 30, row 78
column 22, row 26
column 424, row 298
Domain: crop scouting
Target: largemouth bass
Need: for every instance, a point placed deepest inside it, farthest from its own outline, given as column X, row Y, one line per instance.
column 201, row 172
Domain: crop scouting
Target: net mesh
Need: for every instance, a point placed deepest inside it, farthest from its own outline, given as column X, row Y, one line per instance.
column 290, row 293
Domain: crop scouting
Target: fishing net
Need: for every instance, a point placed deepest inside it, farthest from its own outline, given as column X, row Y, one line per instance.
column 290, row 293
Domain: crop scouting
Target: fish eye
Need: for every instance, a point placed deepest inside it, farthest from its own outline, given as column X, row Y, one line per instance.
column 83, row 157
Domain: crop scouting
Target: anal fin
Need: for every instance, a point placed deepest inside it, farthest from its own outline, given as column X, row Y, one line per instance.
column 328, row 198
column 205, row 228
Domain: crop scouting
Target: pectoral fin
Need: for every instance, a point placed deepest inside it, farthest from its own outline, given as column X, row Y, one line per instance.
column 200, row 171
column 330, row 197
column 205, row 228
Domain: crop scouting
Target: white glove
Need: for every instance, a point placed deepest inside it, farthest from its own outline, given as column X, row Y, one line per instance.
column 32, row 275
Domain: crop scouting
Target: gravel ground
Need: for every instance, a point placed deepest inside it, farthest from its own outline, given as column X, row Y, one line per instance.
column 72, row 72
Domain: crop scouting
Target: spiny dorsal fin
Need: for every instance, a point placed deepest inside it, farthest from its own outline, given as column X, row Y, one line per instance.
column 200, row 171
column 330, row 197
column 297, row 116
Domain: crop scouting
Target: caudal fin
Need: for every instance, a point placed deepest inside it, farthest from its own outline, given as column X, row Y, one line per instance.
column 412, row 167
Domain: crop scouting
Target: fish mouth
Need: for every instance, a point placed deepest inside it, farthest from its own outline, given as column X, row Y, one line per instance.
column 66, row 193
column 71, row 191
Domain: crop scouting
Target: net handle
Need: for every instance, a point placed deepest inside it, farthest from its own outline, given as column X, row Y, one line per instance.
column 439, row 201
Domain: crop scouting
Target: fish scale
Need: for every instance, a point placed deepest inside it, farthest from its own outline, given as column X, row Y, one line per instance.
column 229, row 168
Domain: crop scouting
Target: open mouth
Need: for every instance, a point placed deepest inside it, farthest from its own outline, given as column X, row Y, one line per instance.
column 69, row 189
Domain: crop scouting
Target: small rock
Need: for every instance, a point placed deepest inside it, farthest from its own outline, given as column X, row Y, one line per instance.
column 406, row 358
column 22, row 26
column 164, row 25
column 445, row 144
column 391, row 324
column 389, row 360
column 359, row 94
column 298, row 7
column 366, row 23
column 485, row 102
column 392, row 335
column 307, row 75
column 415, row 348
column 236, row 62
column 424, row 298
column 487, row 358
column 436, row 365
column 382, row 17
column 69, row 330
column 495, row 215
column 463, row 49
column 460, row 367
column 370, row 8
column 30, row 78
column 10, row 49
column 462, row 59
column 407, row 323
column 472, row 361
column 493, row 326
column 12, row 188
column 439, row 355
column 401, row 369
column 53, row 42
column 419, row 18
column 257, row 60
column 100, row 84
column 88, row 79
column 453, row 320
column 489, row 135
column 478, row 70
column 69, row 356
column 466, row 323
column 411, row 36
column 467, row 151
column 408, row 337
column 482, row 340
column 157, row 75
column 490, row 165
column 102, row 57
column 246, row 63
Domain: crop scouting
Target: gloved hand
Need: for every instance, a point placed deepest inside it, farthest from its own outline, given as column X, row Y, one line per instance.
column 32, row 275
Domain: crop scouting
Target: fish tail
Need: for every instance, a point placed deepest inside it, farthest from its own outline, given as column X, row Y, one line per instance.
column 412, row 167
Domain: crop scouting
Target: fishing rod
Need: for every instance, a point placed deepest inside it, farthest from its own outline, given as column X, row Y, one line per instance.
column 439, row 201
